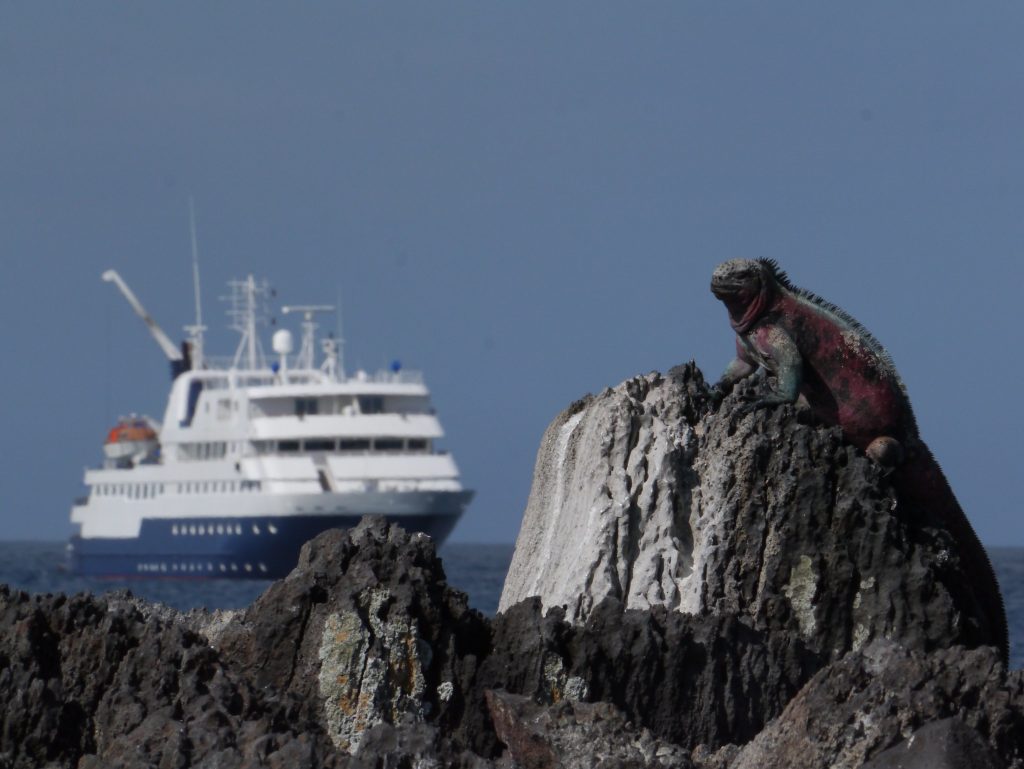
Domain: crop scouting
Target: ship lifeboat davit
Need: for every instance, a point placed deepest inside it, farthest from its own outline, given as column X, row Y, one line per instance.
column 133, row 437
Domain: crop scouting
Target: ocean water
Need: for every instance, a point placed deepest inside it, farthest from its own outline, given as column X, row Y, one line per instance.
column 38, row 567
column 477, row 570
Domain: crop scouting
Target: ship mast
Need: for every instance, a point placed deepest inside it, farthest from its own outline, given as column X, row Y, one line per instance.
column 247, row 302
column 305, row 359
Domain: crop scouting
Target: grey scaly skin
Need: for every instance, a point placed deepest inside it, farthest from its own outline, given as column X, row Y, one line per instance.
column 819, row 353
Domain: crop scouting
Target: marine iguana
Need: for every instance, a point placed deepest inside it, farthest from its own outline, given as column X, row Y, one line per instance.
column 818, row 351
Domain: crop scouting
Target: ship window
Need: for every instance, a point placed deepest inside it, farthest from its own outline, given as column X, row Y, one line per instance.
column 287, row 445
column 371, row 404
column 320, row 445
column 305, row 406
column 417, row 444
column 354, row 444
column 388, row 444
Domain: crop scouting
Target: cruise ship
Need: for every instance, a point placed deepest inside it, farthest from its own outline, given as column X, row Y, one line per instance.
column 258, row 453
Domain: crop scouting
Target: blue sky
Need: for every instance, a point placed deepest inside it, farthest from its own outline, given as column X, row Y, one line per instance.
column 524, row 200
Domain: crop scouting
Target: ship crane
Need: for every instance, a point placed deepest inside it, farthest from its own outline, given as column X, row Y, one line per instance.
column 178, row 362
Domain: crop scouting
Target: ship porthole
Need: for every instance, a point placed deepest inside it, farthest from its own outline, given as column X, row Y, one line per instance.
column 202, row 530
column 272, row 528
column 220, row 528
column 174, row 529
column 223, row 567
column 192, row 530
column 248, row 567
column 263, row 567
column 238, row 528
column 255, row 529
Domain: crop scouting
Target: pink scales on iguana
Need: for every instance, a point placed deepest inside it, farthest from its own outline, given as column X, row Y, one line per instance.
column 818, row 352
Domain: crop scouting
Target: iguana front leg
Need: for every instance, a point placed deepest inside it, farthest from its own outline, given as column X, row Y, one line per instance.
column 778, row 354
column 740, row 367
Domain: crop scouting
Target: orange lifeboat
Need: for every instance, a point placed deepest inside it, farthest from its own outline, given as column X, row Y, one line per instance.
column 131, row 437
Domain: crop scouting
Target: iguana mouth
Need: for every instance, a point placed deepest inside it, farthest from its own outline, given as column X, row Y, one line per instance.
column 727, row 289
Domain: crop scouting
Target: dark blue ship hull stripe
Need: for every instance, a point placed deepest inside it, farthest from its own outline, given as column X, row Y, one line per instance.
column 251, row 547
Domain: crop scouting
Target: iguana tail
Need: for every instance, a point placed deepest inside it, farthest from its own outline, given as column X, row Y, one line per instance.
column 920, row 482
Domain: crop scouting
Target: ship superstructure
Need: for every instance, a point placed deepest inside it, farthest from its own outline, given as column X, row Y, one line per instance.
column 258, row 453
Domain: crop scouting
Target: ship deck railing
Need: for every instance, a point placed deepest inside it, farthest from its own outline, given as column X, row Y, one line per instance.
column 249, row 377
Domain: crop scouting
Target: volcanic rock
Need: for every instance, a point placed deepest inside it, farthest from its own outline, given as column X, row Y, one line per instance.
column 363, row 632
column 689, row 680
column 874, row 705
column 105, row 682
column 576, row 735
column 945, row 744
column 648, row 495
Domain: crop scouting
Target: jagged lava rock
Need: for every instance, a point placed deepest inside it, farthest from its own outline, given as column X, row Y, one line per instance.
column 690, row 680
column 365, row 631
column 362, row 635
column 577, row 735
column 648, row 495
column 111, row 682
column 870, row 701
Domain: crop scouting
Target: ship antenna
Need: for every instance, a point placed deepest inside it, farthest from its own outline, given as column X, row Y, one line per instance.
column 341, row 340
column 196, row 330
column 306, row 354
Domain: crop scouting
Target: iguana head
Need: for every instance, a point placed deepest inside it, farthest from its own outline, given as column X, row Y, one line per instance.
column 746, row 287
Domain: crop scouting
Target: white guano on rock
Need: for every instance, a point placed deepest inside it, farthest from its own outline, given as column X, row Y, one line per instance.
column 609, row 512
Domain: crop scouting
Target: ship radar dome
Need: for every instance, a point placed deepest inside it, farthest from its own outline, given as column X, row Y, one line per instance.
column 282, row 342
